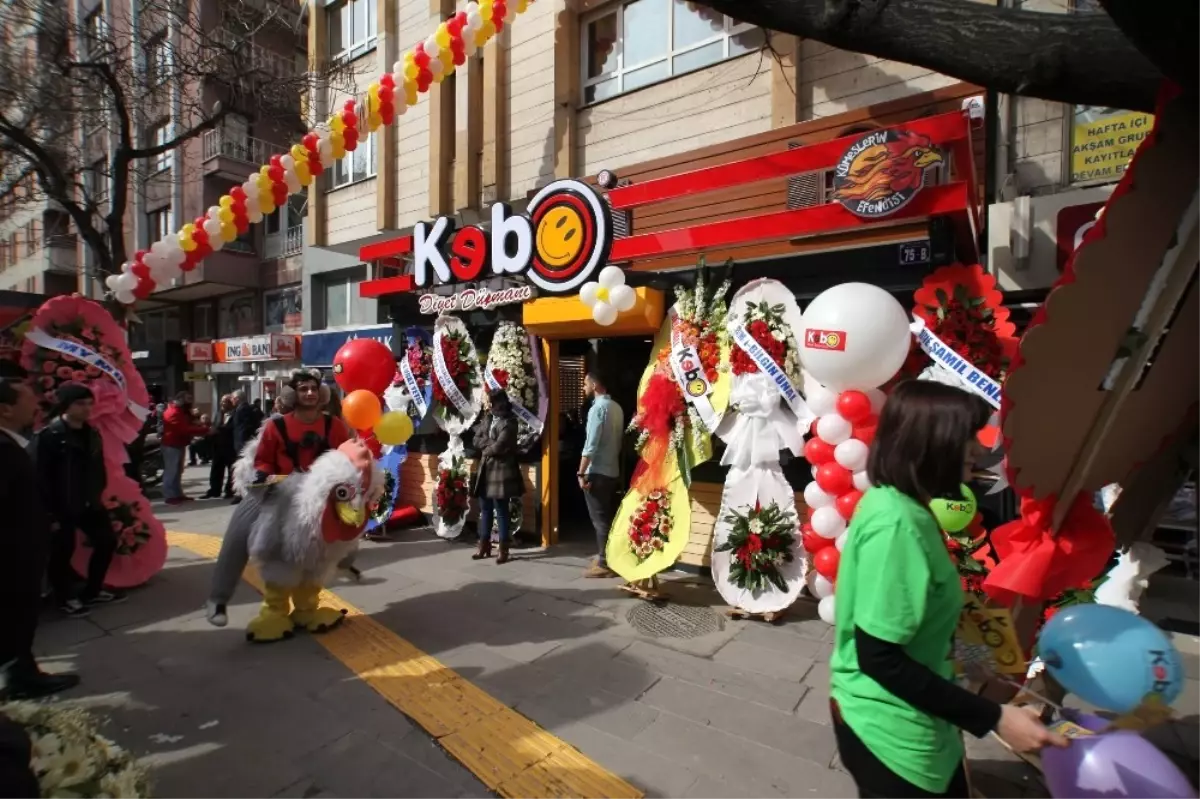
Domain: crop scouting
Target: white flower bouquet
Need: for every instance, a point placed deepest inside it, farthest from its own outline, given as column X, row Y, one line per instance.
column 71, row 758
column 510, row 366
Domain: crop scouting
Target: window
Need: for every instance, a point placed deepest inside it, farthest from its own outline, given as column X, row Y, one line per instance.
column 355, row 166
column 158, row 60
column 157, row 136
column 352, row 28
column 95, row 183
column 31, row 241
column 95, row 31
column 158, row 224
column 204, row 326
column 337, row 302
column 637, row 43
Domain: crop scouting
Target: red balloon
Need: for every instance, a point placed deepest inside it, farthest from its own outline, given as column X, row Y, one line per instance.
column 812, row 542
column 238, row 194
column 144, row 288
column 846, row 503
column 825, row 561
column 460, row 57
column 277, row 160
column 365, row 364
column 865, row 431
column 855, row 406
column 420, row 57
column 348, row 106
column 833, row 479
column 818, row 451
column 385, row 93
column 311, row 141
column 386, row 79
column 140, row 270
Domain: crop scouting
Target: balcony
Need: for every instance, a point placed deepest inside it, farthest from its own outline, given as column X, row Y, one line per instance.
column 234, row 267
column 61, row 253
column 234, row 158
column 284, row 244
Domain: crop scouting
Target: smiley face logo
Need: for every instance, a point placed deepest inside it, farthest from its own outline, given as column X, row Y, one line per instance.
column 832, row 341
column 696, row 388
column 560, row 236
column 572, row 235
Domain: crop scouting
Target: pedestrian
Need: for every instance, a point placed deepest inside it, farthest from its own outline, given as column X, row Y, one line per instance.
column 178, row 432
column 498, row 478
column 71, row 475
column 600, row 466
column 220, row 475
column 289, row 443
column 199, row 452
column 26, row 539
column 897, row 711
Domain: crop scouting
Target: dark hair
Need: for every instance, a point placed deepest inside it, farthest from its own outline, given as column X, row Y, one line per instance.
column 10, row 390
column 499, row 395
column 305, row 376
column 181, row 397
column 922, row 438
column 596, row 377
column 11, row 370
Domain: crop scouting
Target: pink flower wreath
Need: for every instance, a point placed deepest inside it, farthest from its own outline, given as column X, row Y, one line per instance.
column 141, row 539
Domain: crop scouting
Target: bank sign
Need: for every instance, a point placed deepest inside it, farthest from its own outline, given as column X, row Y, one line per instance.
column 561, row 240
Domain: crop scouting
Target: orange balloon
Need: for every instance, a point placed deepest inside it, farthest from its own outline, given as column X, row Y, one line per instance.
column 361, row 409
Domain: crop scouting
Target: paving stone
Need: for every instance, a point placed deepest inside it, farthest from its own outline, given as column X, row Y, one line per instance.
column 749, row 657
column 706, row 787
column 818, row 675
column 815, row 706
column 554, row 607
column 598, row 665
column 607, row 712
column 631, row 760
column 743, row 684
column 777, row 640
column 780, row 730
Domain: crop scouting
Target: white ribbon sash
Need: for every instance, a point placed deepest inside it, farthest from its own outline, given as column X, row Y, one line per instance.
column 766, row 364
column 414, row 388
column 968, row 376
column 520, row 410
column 89, row 357
column 693, row 382
column 443, row 375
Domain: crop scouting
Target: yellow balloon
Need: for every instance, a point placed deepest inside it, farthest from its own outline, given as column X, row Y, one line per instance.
column 522, row 5
column 442, row 36
column 225, row 214
column 410, row 71
column 337, row 144
column 299, row 153
column 438, row 78
column 410, row 93
column 489, row 29
column 481, row 35
column 373, row 90
column 228, row 231
column 393, row 428
column 186, row 242
column 374, row 120
column 336, row 123
column 372, row 103
column 225, row 202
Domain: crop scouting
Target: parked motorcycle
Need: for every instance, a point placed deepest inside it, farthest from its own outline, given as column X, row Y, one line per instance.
column 150, row 466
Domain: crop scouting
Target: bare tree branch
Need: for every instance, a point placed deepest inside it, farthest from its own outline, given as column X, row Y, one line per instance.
column 1080, row 58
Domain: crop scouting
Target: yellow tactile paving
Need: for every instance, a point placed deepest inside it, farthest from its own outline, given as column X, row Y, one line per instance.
column 507, row 752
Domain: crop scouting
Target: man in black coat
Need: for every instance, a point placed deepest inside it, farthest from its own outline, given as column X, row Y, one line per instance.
column 25, row 537
column 71, row 475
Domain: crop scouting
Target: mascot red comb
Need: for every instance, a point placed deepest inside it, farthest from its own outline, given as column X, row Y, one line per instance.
column 307, row 522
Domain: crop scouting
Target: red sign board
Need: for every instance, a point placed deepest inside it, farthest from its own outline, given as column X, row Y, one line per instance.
column 1072, row 224
column 199, row 352
column 815, row 339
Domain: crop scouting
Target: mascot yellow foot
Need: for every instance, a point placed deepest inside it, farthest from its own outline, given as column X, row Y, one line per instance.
column 272, row 622
column 309, row 614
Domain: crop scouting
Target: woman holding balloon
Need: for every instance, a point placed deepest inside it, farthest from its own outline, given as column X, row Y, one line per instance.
column 896, row 709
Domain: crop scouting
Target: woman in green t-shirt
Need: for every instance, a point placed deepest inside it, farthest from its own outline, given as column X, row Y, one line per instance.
column 897, row 711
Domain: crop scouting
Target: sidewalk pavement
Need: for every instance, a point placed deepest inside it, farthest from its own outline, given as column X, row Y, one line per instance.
column 677, row 699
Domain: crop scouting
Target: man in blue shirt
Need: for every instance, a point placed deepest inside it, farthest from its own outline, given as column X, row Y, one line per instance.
column 600, row 465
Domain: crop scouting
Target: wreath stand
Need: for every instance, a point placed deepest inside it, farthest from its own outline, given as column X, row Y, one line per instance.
column 770, row 617
column 646, row 590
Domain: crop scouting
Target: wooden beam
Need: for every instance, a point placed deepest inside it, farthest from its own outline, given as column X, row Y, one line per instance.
column 386, row 51
column 549, row 481
column 468, row 134
column 785, row 79
column 441, row 131
column 566, row 88
column 494, row 177
column 316, row 229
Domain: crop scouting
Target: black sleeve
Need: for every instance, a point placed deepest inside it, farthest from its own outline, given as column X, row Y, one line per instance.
column 890, row 666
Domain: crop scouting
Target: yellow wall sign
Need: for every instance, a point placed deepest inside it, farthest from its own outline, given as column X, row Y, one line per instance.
column 1103, row 141
column 993, row 628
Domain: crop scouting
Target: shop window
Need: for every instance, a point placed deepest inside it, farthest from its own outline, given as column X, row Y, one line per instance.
column 283, row 310
column 172, row 329
column 355, row 166
column 633, row 44
column 352, row 28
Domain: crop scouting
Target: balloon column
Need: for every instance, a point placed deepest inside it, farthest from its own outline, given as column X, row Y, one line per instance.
column 856, row 338
column 288, row 173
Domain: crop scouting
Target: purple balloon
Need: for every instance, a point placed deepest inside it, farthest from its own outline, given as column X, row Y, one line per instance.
column 1113, row 765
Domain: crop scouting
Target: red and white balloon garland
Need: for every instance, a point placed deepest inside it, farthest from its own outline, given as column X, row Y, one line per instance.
column 427, row 63
column 844, row 430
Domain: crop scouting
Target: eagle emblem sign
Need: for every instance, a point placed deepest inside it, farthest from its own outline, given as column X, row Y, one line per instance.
column 882, row 171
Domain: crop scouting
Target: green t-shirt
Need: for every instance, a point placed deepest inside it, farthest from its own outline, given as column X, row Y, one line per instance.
column 897, row 582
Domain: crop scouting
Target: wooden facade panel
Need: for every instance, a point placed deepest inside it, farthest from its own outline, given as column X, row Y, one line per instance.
column 412, row 129
column 418, row 478
column 530, row 95
column 897, row 89
column 706, row 505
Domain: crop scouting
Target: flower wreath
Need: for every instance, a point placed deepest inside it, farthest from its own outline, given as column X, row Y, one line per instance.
column 765, row 324
column 761, row 541
column 141, row 539
column 510, row 362
column 451, row 497
column 458, row 355
column 650, row 525
column 418, row 355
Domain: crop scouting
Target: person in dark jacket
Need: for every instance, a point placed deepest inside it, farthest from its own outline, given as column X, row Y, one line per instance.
column 245, row 422
column 25, row 537
column 71, row 476
column 499, row 478
column 220, row 475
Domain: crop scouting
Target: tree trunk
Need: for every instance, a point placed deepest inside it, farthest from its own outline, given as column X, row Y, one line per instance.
column 1081, row 58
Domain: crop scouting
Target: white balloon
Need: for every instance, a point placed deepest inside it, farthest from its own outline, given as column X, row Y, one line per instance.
column 861, row 481
column 604, row 314
column 113, row 282
column 398, row 69
column 815, row 497
column 435, row 66
column 840, row 541
column 474, row 18
column 400, row 104
column 510, row 12
column 253, row 214
column 128, row 282
column 469, row 46
column 177, row 257
column 826, row 610
column 851, row 454
column 611, row 277
column 432, row 47
column 821, row 587
column 814, row 471
column 827, row 522
column 170, row 272
column 214, row 212
column 171, row 245
column 587, row 293
column 820, row 399
column 292, row 181
column 833, row 428
column 288, row 163
column 622, row 298
column 212, row 227
column 877, row 398
column 873, row 336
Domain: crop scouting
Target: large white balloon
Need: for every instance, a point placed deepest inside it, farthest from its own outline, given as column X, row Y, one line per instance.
column 865, row 334
column 826, row 610
column 827, row 522
column 587, row 293
column 877, row 398
column 113, row 282
column 814, row 497
column 124, row 296
column 861, row 481
column 604, row 314
column 840, row 541
column 834, row 428
column 851, row 454
column 622, row 298
column 821, row 587
column 611, row 277
column 820, row 399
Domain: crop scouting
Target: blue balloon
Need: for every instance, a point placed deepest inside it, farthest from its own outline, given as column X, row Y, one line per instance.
column 1110, row 657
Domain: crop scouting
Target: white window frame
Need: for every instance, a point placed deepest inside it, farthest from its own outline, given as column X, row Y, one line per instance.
column 348, row 159
column 95, row 29
column 732, row 28
column 157, row 135
column 163, row 228
column 348, row 282
column 361, row 43
column 158, row 59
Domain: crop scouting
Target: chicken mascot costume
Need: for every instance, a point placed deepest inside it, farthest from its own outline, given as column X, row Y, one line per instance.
column 300, row 527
